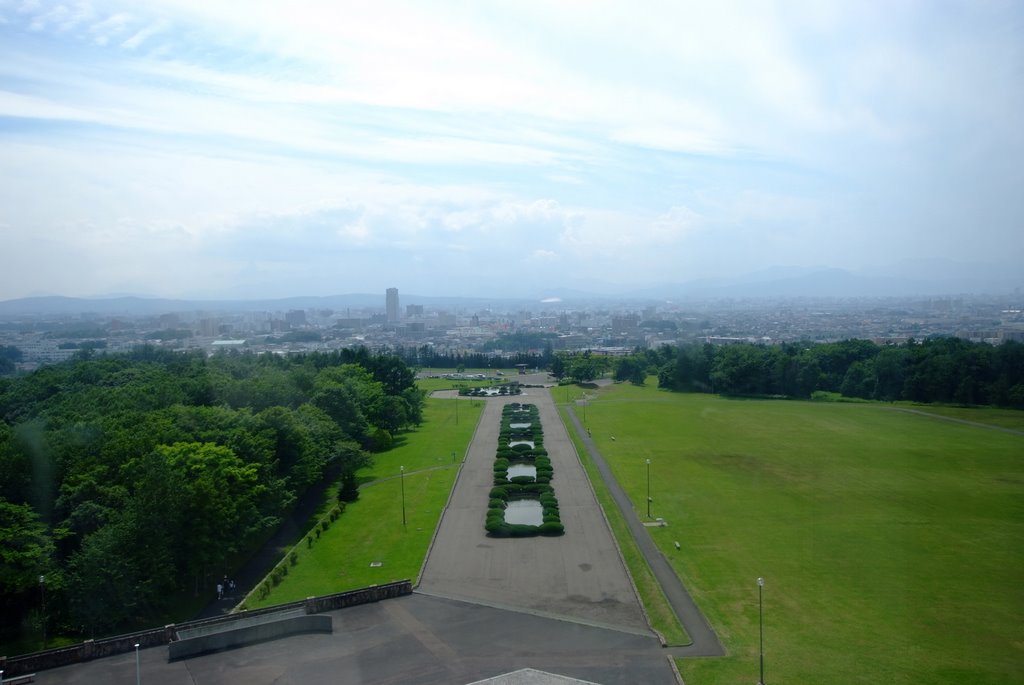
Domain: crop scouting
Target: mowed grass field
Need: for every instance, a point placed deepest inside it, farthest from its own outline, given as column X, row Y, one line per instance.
column 371, row 528
column 892, row 544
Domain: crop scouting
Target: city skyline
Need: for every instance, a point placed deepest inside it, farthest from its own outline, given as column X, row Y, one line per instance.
column 194, row 150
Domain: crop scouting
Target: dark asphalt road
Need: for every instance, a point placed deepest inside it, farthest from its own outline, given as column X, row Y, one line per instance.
column 412, row 640
column 705, row 641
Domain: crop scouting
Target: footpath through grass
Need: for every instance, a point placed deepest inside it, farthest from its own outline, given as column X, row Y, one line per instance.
column 1003, row 418
column 660, row 613
column 890, row 542
column 370, row 530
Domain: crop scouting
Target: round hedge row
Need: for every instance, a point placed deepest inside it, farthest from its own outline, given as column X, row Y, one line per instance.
column 522, row 487
column 551, row 522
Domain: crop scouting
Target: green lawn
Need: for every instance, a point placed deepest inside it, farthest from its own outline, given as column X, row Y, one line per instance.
column 432, row 384
column 657, row 607
column 890, row 543
column 371, row 528
column 1005, row 418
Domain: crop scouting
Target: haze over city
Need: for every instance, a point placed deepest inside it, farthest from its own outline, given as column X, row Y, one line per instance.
column 177, row 148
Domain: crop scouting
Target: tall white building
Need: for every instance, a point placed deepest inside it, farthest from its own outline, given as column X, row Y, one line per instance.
column 392, row 305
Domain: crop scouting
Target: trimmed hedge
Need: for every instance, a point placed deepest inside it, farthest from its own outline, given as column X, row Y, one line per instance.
column 522, row 487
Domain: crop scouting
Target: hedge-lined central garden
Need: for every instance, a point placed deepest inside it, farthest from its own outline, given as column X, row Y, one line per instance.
column 521, row 442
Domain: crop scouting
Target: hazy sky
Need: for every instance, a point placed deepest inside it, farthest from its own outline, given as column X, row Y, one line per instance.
column 267, row 148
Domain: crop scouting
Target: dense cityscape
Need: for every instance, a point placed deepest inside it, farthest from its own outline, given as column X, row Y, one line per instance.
column 506, row 328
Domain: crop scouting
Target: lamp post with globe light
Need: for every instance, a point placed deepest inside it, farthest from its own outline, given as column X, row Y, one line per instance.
column 648, row 488
column 42, row 602
column 401, row 476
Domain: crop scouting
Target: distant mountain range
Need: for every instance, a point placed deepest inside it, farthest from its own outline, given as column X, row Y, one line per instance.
column 921, row 278
column 913, row 278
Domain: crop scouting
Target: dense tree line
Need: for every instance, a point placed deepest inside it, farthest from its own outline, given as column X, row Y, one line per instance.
column 580, row 367
column 426, row 357
column 9, row 356
column 947, row 370
column 129, row 480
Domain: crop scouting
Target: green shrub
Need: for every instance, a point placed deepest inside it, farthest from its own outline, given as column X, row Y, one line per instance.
column 293, row 558
column 349, row 491
column 551, row 529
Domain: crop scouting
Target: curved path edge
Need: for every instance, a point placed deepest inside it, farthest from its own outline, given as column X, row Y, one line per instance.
column 954, row 419
column 705, row 641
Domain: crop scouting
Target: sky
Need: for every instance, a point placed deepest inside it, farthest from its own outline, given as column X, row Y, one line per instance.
column 254, row 149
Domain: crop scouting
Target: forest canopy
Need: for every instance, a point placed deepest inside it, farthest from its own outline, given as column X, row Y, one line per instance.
column 130, row 481
column 946, row 370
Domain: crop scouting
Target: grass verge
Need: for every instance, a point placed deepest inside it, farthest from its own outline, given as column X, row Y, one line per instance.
column 371, row 531
column 660, row 613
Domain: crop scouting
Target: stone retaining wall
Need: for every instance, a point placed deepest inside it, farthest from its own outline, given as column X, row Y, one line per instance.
column 121, row 644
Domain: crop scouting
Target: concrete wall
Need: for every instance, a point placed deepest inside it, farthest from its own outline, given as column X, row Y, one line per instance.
column 121, row 644
column 248, row 635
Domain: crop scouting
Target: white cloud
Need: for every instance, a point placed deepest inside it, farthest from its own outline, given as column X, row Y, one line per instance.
column 594, row 135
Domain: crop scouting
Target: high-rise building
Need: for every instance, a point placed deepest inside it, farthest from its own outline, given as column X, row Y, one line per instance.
column 392, row 305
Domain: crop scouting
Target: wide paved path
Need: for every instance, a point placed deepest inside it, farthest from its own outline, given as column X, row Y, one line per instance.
column 579, row 576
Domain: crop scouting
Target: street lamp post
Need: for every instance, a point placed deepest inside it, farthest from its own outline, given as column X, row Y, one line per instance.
column 760, row 620
column 648, row 488
column 138, row 676
column 42, row 602
column 401, row 475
